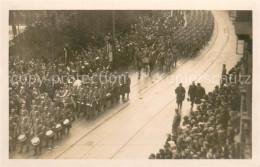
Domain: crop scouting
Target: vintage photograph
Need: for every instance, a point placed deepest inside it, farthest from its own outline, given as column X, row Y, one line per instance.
column 130, row 84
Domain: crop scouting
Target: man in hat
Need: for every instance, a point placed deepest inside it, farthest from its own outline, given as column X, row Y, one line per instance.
column 180, row 95
column 192, row 93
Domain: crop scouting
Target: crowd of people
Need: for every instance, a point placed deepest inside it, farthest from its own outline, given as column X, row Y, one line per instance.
column 182, row 33
column 46, row 97
column 209, row 131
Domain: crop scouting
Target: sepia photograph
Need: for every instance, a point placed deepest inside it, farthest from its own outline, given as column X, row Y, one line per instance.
column 130, row 84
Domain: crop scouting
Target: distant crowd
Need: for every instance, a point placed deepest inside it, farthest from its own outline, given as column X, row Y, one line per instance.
column 209, row 130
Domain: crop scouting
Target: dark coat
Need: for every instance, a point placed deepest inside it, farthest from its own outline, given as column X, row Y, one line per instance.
column 192, row 92
column 200, row 92
column 176, row 123
column 180, row 92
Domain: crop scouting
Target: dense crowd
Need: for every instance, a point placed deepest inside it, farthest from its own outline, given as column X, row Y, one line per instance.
column 209, row 131
column 43, row 104
column 43, row 109
column 156, row 37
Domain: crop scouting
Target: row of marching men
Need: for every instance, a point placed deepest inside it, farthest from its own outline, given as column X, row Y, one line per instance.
column 38, row 127
column 90, row 99
column 47, row 119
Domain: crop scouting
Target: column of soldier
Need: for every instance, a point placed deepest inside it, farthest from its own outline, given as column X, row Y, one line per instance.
column 43, row 112
column 156, row 36
column 209, row 131
column 175, row 36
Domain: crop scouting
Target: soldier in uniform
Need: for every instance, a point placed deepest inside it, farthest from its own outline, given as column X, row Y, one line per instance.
column 25, row 129
column 161, row 58
column 38, row 131
column 15, row 117
column 67, row 115
column 180, row 95
column 36, row 115
column 12, row 134
column 127, row 85
column 102, row 96
column 59, row 120
column 81, row 101
column 88, row 102
column 49, row 125
column 117, row 88
column 75, row 96
column 108, row 89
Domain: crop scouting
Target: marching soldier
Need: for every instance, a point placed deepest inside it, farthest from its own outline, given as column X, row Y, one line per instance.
column 15, row 117
column 88, row 104
column 81, row 101
column 59, row 120
column 116, row 93
column 12, row 134
column 24, row 132
column 38, row 131
column 102, row 96
column 69, row 102
column 67, row 119
column 122, row 82
column 127, row 85
column 97, row 100
column 36, row 115
column 50, row 126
